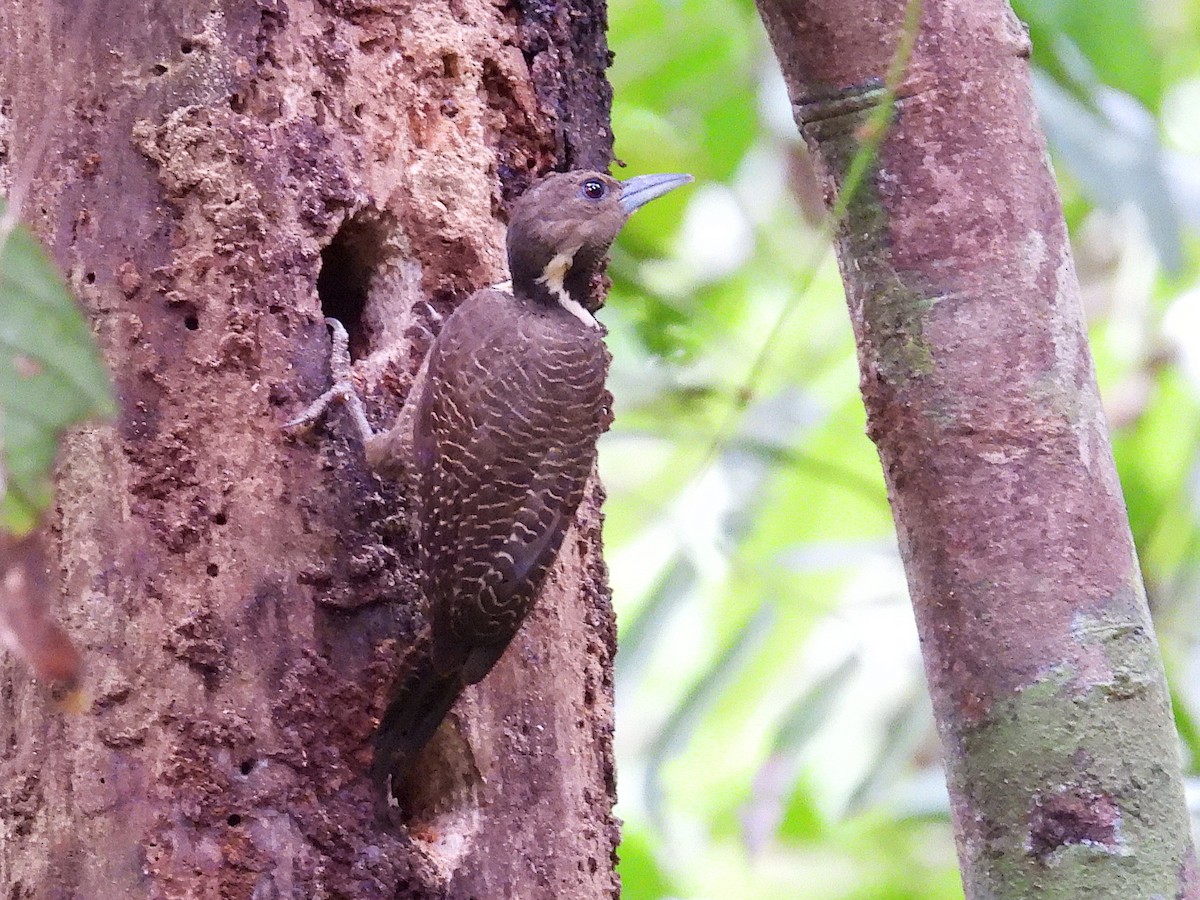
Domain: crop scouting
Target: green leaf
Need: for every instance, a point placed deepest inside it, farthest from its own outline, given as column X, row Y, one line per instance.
column 641, row 876
column 51, row 376
column 1113, row 36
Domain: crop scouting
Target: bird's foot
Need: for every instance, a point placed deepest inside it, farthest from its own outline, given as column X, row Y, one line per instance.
column 342, row 392
column 431, row 311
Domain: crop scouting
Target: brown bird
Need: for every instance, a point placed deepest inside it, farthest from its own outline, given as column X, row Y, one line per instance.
column 499, row 438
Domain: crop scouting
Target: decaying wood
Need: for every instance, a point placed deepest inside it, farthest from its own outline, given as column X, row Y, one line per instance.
column 242, row 599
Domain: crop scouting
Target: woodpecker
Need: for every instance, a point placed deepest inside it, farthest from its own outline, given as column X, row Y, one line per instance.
column 498, row 438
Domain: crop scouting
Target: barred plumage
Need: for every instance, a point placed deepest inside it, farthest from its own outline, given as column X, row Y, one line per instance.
column 508, row 421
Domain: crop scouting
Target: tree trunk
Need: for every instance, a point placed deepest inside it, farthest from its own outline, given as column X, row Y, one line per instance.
column 219, row 176
column 1056, row 728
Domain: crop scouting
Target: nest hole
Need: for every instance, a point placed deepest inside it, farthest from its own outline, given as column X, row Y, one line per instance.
column 348, row 268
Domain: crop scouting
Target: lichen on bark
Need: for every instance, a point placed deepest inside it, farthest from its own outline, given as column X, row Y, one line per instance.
column 1104, row 818
column 889, row 307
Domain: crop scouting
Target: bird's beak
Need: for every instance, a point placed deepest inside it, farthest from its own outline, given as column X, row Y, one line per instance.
column 639, row 191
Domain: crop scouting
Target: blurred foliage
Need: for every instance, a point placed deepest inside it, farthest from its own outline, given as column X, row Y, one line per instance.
column 51, row 375
column 774, row 736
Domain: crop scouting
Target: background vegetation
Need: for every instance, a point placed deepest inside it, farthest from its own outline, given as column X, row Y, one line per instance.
column 774, row 735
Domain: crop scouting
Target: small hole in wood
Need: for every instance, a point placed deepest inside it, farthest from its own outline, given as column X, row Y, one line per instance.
column 213, row 570
column 191, row 322
column 234, row 820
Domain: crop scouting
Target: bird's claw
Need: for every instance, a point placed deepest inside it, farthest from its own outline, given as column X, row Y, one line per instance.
column 342, row 392
column 339, row 351
column 339, row 393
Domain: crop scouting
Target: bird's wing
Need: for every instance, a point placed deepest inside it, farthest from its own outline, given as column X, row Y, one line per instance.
column 509, row 425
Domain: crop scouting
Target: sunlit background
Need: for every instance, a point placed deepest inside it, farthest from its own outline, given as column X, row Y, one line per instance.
column 774, row 736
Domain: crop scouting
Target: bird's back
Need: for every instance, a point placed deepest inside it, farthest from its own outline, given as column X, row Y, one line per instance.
column 505, row 439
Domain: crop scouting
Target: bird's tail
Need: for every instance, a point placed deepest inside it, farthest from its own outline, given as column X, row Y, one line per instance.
column 416, row 711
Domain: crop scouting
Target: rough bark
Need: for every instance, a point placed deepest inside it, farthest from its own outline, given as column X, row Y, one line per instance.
column 221, row 174
column 1061, row 755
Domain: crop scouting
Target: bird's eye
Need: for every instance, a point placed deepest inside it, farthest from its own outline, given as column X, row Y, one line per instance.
column 594, row 189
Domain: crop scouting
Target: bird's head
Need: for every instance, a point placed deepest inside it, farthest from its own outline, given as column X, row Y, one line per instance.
column 562, row 227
